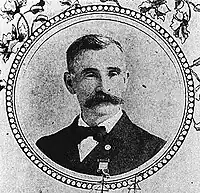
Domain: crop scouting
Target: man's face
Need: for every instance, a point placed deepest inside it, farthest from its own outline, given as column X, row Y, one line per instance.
column 100, row 78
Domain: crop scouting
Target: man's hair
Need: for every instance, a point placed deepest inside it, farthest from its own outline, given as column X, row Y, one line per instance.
column 88, row 42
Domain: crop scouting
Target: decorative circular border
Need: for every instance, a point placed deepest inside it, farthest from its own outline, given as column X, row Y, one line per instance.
column 156, row 28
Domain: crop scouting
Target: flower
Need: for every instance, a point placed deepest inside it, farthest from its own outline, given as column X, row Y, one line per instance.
column 9, row 41
column 6, row 46
column 179, row 25
column 38, row 7
column 70, row 3
column 155, row 8
column 11, row 8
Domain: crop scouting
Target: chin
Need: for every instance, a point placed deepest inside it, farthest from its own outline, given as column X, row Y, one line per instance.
column 105, row 109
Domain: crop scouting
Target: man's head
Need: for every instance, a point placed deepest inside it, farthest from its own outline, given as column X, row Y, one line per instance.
column 97, row 73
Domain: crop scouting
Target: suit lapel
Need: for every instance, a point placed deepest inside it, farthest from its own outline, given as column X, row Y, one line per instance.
column 118, row 153
column 108, row 149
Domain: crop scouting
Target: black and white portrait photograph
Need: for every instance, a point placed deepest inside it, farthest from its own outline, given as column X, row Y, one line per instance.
column 99, row 96
column 97, row 74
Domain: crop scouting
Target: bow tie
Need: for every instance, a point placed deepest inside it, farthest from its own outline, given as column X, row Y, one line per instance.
column 97, row 132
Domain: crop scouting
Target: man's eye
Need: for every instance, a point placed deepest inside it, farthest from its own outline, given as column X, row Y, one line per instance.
column 113, row 73
column 90, row 74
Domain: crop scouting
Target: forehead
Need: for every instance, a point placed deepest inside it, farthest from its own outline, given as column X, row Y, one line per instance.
column 101, row 59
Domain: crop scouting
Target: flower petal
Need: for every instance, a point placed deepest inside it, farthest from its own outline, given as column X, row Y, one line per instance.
column 2, row 50
column 145, row 4
column 10, row 5
column 22, row 2
column 6, row 56
column 152, row 13
column 163, row 8
column 36, row 9
column 179, row 15
column 41, row 18
column 183, row 34
column 6, row 16
column 179, row 4
column 174, row 24
column 6, row 38
column 12, row 45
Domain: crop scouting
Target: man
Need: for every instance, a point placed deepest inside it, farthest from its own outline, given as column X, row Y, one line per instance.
column 97, row 75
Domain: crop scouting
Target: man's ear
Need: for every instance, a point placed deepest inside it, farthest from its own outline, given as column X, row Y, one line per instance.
column 69, row 82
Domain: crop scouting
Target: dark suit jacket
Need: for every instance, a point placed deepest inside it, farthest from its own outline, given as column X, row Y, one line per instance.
column 131, row 146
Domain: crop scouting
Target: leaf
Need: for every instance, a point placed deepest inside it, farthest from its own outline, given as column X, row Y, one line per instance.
column 23, row 32
column 66, row 2
column 197, row 8
column 6, row 56
column 41, row 18
column 2, row 84
column 197, row 126
column 197, row 93
column 1, row 87
column 145, row 7
column 196, row 62
column 14, row 32
column 179, row 4
column 41, row 3
column 36, row 9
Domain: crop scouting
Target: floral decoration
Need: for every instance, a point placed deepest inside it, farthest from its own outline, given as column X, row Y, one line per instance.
column 115, row 1
column 2, row 83
column 11, row 8
column 21, row 30
column 38, row 7
column 6, row 45
column 182, row 17
column 179, row 25
column 197, row 88
column 70, row 3
column 156, row 9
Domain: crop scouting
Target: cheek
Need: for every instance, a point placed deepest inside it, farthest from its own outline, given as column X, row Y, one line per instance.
column 118, row 86
column 86, row 87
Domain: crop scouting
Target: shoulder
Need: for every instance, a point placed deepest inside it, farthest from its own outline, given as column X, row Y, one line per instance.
column 151, row 142
column 52, row 142
column 146, row 141
column 56, row 140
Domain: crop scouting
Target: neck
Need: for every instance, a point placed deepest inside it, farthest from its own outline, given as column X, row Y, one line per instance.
column 94, row 117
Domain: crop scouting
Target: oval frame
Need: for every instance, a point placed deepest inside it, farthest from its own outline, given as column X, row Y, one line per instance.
column 71, row 180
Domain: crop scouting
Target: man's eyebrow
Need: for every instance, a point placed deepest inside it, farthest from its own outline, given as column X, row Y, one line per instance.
column 89, row 70
column 118, row 70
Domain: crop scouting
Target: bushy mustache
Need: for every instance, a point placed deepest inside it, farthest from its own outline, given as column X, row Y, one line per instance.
column 101, row 97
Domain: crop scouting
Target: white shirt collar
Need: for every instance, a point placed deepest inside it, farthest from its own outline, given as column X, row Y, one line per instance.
column 109, row 123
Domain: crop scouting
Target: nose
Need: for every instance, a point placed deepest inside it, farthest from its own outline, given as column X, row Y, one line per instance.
column 104, row 84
